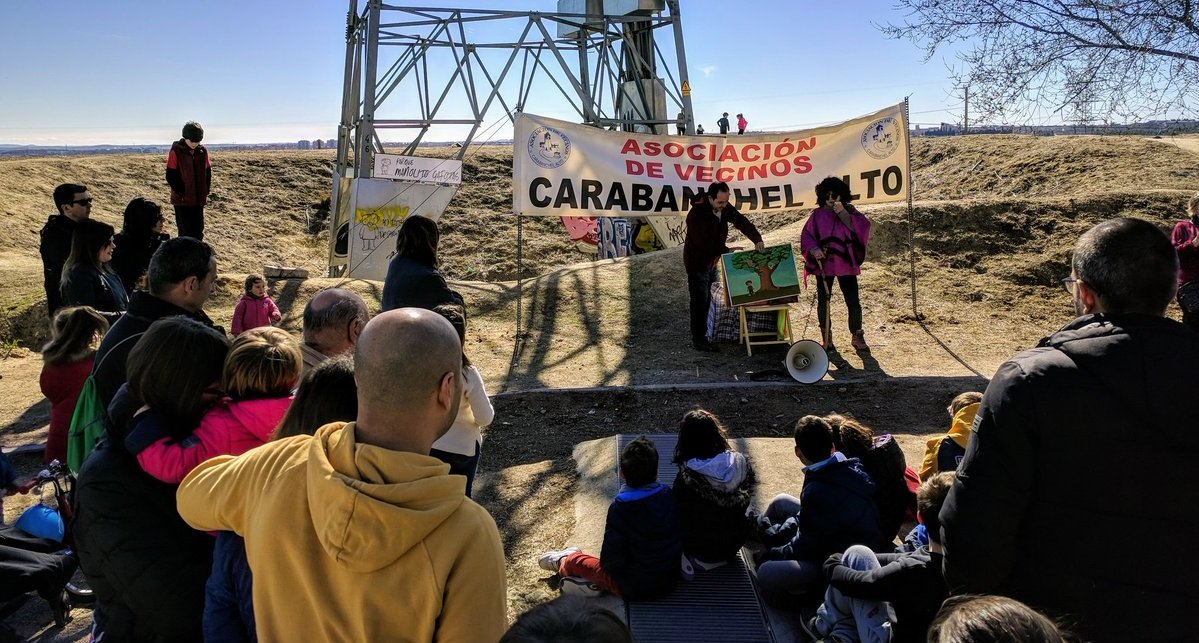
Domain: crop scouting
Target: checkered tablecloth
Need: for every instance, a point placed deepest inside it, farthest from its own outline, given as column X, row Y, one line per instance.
column 724, row 323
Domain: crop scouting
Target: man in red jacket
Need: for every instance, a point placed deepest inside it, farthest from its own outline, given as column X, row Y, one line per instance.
column 707, row 232
column 189, row 173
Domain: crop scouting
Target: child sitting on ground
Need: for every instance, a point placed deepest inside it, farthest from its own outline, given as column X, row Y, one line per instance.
column 67, row 362
column 643, row 546
column 861, row 584
column 838, row 511
column 713, row 488
column 884, row 462
column 945, row 452
column 260, row 372
column 255, row 308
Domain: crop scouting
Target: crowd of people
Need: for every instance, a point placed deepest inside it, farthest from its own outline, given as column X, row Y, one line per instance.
column 320, row 487
column 722, row 124
column 1080, row 436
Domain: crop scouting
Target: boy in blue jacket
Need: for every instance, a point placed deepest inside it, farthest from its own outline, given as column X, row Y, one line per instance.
column 838, row 511
column 643, row 541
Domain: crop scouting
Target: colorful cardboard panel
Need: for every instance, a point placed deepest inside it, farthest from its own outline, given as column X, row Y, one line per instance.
column 753, row 277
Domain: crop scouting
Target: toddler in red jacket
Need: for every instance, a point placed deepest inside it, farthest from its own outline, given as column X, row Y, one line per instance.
column 261, row 370
column 255, row 309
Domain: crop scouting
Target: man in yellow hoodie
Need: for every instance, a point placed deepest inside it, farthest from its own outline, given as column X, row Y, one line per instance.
column 356, row 533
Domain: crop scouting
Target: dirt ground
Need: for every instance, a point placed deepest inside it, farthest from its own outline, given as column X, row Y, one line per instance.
column 602, row 348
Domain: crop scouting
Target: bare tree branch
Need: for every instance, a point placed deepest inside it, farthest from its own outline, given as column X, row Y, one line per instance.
column 1099, row 58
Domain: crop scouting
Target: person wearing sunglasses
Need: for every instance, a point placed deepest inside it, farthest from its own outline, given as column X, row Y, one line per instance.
column 88, row 278
column 74, row 204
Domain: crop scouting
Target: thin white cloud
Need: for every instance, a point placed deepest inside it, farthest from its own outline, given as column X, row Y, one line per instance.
column 708, row 70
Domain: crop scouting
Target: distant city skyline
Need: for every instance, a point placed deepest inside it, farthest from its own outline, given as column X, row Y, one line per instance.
column 124, row 72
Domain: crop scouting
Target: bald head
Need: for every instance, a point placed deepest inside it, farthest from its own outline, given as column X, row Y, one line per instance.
column 408, row 364
column 333, row 319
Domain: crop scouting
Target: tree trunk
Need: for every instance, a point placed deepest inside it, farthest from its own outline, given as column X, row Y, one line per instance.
column 764, row 275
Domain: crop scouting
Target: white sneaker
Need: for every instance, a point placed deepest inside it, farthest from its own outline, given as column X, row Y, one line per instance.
column 551, row 561
column 576, row 586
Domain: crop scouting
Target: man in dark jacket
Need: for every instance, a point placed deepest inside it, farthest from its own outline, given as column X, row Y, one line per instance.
column 74, row 204
column 838, row 511
column 707, row 233
column 1092, row 433
column 181, row 277
column 189, row 173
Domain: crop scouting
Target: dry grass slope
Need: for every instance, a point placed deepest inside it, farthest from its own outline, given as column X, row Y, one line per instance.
column 994, row 222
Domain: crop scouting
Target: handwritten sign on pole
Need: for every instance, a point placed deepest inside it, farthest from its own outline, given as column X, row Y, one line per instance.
column 418, row 169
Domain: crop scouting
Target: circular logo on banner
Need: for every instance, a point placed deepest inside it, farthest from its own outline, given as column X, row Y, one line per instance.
column 548, row 147
column 881, row 138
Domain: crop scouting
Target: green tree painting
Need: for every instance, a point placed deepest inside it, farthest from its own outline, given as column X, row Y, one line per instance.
column 763, row 263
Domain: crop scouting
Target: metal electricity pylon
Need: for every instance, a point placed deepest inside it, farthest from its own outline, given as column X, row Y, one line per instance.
column 417, row 68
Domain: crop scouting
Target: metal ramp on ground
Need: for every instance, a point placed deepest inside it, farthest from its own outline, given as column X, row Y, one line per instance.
column 720, row 605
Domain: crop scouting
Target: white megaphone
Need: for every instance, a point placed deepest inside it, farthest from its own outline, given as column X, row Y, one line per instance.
column 806, row 361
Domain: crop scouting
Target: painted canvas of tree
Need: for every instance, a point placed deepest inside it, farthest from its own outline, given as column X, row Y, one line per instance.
column 752, row 277
column 763, row 263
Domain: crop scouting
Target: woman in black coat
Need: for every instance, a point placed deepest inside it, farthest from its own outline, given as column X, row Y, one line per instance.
column 141, row 234
column 87, row 277
column 413, row 279
column 713, row 490
column 148, row 567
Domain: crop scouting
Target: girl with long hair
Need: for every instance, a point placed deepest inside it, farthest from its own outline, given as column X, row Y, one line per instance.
column 413, row 279
column 713, row 490
column 66, row 362
column 141, row 234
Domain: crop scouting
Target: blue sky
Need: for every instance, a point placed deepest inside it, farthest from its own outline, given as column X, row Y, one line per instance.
column 126, row 72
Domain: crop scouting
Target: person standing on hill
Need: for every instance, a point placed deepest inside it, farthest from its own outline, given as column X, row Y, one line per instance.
column 189, row 173
column 723, row 123
column 74, row 204
column 741, row 124
column 1186, row 244
column 707, row 232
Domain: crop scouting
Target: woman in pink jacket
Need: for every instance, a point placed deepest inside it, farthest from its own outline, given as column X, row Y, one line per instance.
column 261, row 370
column 833, row 245
column 255, row 308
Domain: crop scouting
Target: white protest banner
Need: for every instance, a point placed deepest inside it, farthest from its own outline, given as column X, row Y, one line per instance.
column 564, row 169
column 379, row 208
column 418, row 169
